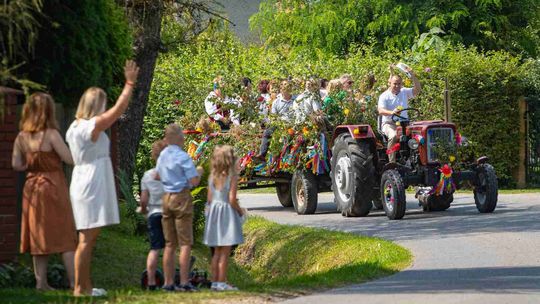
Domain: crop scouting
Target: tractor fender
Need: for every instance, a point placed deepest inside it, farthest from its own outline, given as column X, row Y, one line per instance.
column 356, row 131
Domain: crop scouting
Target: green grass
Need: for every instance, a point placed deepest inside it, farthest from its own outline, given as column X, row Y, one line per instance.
column 274, row 260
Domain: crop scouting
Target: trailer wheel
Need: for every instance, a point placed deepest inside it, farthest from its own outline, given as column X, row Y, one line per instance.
column 284, row 195
column 304, row 192
column 393, row 194
column 377, row 203
column 353, row 176
column 486, row 191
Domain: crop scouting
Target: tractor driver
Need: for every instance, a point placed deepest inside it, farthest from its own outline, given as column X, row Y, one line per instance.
column 392, row 101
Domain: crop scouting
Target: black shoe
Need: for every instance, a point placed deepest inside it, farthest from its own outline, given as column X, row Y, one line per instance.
column 171, row 288
column 152, row 288
column 188, row 288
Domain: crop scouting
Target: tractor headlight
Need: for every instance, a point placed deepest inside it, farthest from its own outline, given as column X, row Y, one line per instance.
column 413, row 144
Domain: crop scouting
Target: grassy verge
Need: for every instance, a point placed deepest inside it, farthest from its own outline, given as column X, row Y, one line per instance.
column 274, row 260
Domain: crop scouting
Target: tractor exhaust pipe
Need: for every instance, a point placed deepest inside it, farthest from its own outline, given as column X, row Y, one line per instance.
column 447, row 103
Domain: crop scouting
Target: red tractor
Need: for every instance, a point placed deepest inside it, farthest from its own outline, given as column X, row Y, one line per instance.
column 361, row 174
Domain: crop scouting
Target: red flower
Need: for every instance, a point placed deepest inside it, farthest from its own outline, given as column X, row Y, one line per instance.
column 260, row 99
column 177, row 102
column 446, row 170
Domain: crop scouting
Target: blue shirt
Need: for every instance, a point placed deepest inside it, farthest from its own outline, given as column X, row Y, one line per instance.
column 175, row 169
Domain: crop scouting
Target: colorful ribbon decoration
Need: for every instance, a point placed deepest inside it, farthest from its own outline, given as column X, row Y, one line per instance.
column 318, row 156
column 246, row 160
column 195, row 150
column 446, row 183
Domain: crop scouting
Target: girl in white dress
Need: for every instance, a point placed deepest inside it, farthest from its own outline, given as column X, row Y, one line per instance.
column 223, row 226
column 92, row 190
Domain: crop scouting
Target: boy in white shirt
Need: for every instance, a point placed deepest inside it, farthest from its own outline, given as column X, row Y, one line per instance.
column 151, row 193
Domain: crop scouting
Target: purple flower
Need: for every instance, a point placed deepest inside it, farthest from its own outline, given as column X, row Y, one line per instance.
column 427, row 70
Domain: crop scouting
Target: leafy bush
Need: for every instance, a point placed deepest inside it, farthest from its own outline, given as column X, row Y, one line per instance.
column 15, row 275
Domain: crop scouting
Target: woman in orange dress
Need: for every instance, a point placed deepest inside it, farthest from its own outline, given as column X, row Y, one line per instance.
column 47, row 224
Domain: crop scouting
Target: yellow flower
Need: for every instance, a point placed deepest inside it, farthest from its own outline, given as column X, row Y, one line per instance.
column 346, row 111
column 305, row 130
column 356, row 131
column 452, row 158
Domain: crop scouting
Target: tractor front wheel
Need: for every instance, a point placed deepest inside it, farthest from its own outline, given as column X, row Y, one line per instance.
column 486, row 191
column 393, row 194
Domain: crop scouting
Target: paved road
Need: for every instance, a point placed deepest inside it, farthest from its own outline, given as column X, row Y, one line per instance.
column 460, row 255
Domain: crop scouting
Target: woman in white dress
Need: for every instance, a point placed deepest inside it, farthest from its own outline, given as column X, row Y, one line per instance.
column 92, row 190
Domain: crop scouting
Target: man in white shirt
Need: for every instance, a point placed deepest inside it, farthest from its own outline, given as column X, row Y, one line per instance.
column 391, row 102
column 213, row 108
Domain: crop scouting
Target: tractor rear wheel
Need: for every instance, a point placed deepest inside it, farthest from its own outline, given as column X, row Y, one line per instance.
column 304, row 192
column 486, row 191
column 393, row 194
column 353, row 175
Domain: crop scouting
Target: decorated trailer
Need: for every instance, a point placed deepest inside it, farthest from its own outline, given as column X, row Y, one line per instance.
column 352, row 161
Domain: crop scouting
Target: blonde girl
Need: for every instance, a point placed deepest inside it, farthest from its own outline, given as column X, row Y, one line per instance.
column 223, row 228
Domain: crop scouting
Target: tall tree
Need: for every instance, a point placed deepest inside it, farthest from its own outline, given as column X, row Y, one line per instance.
column 146, row 18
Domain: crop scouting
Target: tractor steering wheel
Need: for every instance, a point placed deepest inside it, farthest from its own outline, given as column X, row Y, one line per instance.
column 397, row 117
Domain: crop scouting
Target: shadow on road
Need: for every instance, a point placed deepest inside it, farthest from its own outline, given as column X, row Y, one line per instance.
column 462, row 218
column 486, row 280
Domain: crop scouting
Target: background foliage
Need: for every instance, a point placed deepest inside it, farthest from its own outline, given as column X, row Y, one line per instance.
column 485, row 87
column 333, row 26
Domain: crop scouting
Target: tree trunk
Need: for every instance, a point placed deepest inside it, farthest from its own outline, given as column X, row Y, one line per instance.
column 145, row 20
